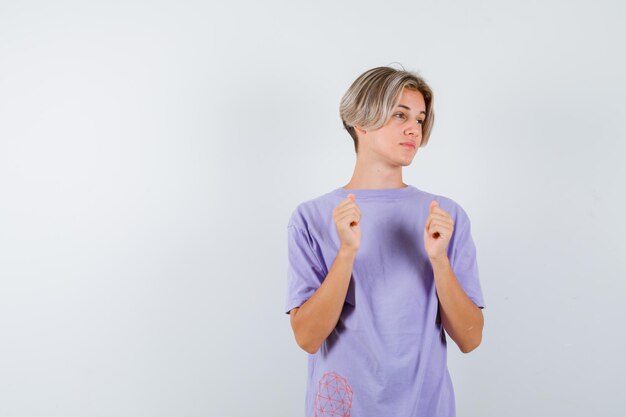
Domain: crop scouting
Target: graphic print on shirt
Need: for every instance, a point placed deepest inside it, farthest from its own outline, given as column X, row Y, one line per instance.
column 334, row 396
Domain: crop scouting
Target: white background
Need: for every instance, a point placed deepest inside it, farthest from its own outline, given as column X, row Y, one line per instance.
column 151, row 153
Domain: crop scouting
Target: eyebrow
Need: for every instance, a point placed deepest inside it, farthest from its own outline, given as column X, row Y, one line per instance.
column 408, row 108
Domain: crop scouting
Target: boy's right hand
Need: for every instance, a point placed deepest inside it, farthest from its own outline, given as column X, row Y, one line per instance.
column 347, row 216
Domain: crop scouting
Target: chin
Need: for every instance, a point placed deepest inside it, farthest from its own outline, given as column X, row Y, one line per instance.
column 409, row 160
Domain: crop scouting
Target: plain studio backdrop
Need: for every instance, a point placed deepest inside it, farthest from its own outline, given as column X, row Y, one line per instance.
column 151, row 154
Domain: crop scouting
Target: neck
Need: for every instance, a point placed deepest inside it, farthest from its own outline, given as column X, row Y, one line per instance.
column 375, row 175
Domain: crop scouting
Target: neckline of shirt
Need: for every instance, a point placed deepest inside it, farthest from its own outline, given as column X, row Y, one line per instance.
column 377, row 193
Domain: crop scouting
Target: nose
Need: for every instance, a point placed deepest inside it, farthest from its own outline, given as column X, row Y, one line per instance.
column 413, row 129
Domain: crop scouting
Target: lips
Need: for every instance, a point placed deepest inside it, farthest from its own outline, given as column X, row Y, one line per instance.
column 408, row 144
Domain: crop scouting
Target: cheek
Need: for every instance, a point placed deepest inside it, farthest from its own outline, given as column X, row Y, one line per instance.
column 396, row 135
column 388, row 138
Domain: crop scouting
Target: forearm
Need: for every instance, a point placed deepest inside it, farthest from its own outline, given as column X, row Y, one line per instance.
column 461, row 318
column 318, row 316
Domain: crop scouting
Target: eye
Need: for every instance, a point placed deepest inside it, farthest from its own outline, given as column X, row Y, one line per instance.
column 420, row 121
column 399, row 115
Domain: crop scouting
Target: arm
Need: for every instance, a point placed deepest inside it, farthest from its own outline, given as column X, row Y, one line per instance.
column 314, row 320
column 461, row 318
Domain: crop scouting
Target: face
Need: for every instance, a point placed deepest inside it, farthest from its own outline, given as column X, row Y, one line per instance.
column 397, row 141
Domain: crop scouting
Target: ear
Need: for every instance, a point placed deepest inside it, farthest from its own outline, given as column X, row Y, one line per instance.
column 360, row 130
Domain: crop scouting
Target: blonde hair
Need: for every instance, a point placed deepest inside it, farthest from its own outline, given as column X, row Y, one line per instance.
column 371, row 98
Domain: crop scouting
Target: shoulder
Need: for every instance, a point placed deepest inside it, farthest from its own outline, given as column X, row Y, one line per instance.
column 313, row 210
column 451, row 206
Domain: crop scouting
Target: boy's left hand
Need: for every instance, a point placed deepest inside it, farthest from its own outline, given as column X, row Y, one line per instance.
column 437, row 232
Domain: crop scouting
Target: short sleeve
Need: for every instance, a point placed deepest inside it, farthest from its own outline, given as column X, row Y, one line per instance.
column 304, row 271
column 463, row 259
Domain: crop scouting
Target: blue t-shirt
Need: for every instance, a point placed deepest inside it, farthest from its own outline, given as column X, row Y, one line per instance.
column 387, row 353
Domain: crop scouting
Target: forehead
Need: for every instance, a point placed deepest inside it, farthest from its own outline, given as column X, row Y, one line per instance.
column 412, row 99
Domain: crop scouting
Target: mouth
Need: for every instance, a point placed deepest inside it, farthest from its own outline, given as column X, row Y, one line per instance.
column 410, row 145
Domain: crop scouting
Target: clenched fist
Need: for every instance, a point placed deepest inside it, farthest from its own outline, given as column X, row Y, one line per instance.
column 346, row 217
column 437, row 232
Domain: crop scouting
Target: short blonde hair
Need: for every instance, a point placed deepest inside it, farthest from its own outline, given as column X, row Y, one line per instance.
column 371, row 98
